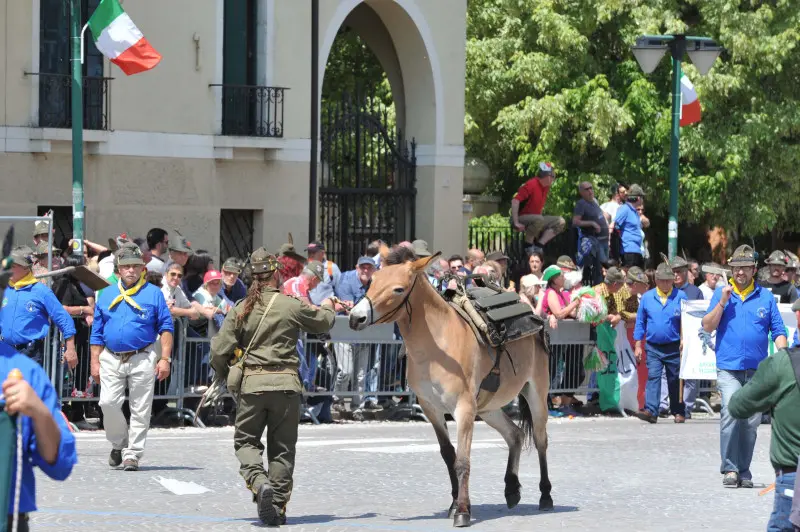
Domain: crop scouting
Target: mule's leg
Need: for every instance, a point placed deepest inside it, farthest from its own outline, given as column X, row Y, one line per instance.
column 513, row 436
column 535, row 394
column 445, row 448
column 464, row 416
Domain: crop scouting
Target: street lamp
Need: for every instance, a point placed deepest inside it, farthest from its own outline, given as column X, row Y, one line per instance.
column 703, row 51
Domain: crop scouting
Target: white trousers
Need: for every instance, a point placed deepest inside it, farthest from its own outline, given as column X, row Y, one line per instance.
column 138, row 376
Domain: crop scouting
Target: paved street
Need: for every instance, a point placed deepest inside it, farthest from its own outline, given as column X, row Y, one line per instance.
column 607, row 474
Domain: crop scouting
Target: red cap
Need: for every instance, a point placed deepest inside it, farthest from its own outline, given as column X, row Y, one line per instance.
column 212, row 275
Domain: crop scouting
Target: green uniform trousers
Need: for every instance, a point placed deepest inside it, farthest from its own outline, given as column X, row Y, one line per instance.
column 279, row 413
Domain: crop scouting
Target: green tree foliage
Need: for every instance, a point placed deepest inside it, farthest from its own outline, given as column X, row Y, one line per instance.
column 555, row 80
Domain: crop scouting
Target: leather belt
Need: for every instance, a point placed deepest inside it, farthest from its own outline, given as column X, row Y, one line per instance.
column 270, row 368
column 785, row 470
column 127, row 355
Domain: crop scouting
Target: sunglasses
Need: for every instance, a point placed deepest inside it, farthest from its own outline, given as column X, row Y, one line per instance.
column 175, row 274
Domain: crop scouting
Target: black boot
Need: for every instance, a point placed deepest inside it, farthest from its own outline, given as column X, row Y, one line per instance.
column 266, row 510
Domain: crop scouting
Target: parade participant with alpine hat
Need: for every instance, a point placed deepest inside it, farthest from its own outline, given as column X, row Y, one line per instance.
column 29, row 401
column 28, row 306
column 261, row 333
column 744, row 315
column 658, row 331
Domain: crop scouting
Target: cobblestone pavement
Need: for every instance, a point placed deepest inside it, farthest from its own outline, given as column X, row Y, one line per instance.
column 607, row 474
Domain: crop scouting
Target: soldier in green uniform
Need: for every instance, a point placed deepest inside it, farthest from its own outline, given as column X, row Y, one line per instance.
column 261, row 332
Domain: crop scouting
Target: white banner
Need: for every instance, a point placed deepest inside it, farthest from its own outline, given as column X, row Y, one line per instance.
column 698, row 360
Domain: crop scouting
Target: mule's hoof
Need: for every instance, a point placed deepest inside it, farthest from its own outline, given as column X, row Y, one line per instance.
column 451, row 513
column 546, row 504
column 512, row 499
column 461, row 520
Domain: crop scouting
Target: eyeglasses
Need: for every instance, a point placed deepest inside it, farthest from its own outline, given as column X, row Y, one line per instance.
column 175, row 274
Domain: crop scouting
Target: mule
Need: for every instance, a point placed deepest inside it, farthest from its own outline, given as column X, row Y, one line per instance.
column 445, row 367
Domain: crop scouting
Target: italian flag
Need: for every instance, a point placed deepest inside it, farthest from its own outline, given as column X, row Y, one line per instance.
column 690, row 105
column 118, row 38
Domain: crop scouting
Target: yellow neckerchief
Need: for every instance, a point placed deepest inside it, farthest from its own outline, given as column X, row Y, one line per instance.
column 28, row 280
column 746, row 292
column 662, row 296
column 126, row 294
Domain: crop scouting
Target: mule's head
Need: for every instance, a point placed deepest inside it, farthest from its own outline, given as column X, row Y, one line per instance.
column 389, row 290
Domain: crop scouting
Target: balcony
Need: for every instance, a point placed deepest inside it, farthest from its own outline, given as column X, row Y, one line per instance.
column 252, row 111
column 55, row 101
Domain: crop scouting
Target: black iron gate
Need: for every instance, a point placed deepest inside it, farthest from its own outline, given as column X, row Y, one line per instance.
column 367, row 185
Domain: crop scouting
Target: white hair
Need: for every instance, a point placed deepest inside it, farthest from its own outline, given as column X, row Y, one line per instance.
column 572, row 278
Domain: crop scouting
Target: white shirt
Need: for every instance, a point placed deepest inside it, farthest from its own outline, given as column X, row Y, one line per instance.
column 610, row 207
column 106, row 267
column 157, row 265
column 707, row 291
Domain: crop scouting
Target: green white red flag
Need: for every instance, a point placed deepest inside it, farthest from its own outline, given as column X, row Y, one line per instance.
column 690, row 105
column 117, row 37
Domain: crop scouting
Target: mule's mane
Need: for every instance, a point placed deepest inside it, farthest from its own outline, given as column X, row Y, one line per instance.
column 399, row 255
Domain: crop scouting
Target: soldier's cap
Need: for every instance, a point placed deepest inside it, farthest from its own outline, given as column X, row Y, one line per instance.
column 614, row 275
column 497, row 256
column 545, row 169
column 287, row 250
column 41, row 249
column 180, row 244
column 566, row 262
column 315, row 246
column 678, row 263
column 664, row 272
column 22, row 256
column 635, row 191
column 637, row 275
column 41, row 227
column 743, row 256
column 316, row 269
column 129, row 254
column 777, row 258
column 796, row 305
column 115, row 243
column 232, row 264
column 262, row 261
column 794, row 261
column 366, row 260
column 421, row 248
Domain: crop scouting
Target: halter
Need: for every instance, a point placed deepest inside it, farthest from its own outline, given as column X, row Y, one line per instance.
column 394, row 311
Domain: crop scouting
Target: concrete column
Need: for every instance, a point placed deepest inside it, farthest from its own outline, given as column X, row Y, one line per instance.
column 439, row 210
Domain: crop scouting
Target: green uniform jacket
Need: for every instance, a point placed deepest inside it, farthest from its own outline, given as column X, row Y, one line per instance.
column 774, row 387
column 272, row 363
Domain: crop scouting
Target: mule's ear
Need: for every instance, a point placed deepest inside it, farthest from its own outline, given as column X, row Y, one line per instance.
column 422, row 263
column 383, row 251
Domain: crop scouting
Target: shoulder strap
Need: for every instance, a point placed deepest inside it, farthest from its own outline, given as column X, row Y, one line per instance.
column 260, row 323
column 794, row 358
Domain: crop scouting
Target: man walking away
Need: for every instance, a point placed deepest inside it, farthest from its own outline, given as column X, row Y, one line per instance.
column 743, row 314
column 775, row 386
column 629, row 224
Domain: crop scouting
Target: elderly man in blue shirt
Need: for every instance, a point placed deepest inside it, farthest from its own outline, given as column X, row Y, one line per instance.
column 28, row 305
column 128, row 318
column 743, row 314
column 353, row 359
column 658, row 321
column 28, row 396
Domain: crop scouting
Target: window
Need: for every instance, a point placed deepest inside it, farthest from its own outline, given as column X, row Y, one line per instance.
column 236, row 231
column 55, row 75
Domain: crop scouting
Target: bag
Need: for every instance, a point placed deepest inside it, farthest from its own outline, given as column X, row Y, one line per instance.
column 236, row 371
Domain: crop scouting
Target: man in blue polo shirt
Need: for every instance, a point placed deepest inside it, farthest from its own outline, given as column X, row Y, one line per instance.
column 658, row 320
column 47, row 442
column 127, row 320
column 743, row 314
column 629, row 224
column 28, row 306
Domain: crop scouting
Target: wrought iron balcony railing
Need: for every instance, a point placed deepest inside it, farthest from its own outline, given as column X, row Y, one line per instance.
column 252, row 111
column 55, row 101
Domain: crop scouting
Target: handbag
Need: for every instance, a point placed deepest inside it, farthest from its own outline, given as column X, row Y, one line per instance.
column 236, row 371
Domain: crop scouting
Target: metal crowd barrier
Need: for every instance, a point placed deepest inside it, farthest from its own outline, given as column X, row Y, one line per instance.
column 348, row 370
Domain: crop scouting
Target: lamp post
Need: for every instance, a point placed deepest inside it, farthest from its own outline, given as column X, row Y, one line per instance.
column 703, row 51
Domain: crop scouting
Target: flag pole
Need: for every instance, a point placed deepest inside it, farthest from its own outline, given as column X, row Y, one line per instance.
column 77, row 127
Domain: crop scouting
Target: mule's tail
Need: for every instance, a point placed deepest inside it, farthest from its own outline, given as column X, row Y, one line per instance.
column 525, row 421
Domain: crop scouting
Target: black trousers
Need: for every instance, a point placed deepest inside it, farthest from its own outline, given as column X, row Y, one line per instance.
column 23, row 523
column 632, row 259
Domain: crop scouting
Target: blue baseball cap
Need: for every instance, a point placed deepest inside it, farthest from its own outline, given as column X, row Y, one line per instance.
column 366, row 260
